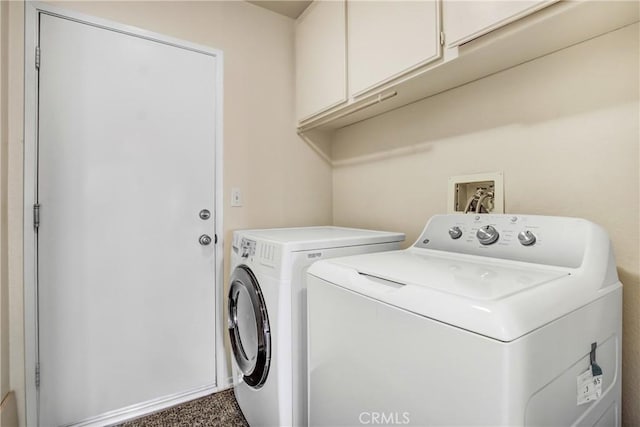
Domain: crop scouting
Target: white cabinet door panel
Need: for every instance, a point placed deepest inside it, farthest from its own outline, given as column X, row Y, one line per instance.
column 388, row 38
column 465, row 20
column 321, row 81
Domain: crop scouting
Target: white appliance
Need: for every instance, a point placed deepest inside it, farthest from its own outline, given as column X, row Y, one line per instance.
column 267, row 312
column 485, row 320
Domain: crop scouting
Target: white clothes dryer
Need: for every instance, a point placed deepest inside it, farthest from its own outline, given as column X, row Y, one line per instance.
column 267, row 312
column 494, row 320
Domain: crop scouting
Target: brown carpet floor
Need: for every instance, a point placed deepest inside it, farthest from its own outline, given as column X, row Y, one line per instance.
column 218, row 409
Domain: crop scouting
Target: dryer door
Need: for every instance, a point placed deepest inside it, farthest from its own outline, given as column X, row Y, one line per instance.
column 249, row 330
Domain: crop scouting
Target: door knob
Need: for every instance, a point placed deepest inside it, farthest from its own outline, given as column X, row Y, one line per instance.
column 205, row 240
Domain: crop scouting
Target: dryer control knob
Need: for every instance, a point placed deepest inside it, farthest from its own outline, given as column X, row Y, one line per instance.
column 455, row 232
column 487, row 235
column 527, row 238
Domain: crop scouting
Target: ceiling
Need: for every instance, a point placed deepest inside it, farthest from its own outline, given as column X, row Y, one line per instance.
column 290, row 8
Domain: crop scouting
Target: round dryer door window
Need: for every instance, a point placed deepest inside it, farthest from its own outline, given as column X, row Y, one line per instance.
column 249, row 330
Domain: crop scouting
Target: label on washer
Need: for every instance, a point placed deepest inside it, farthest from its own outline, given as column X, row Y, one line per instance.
column 589, row 387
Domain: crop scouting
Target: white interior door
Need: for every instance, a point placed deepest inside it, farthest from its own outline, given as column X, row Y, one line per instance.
column 126, row 162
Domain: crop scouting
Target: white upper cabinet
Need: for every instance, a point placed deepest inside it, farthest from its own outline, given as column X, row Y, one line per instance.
column 363, row 58
column 389, row 38
column 320, row 58
column 465, row 20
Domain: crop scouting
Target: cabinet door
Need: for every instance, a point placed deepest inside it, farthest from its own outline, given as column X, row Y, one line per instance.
column 466, row 20
column 320, row 58
column 389, row 38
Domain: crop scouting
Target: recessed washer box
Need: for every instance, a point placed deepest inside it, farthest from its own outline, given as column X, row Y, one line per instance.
column 463, row 187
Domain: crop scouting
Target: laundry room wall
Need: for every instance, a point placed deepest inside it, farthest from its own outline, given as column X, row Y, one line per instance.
column 283, row 182
column 4, row 278
column 565, row 131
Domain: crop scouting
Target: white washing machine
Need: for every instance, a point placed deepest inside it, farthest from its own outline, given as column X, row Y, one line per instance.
column 485, row 320
column 267, row 312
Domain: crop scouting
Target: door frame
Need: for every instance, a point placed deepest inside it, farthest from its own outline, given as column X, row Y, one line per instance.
column 32, row 10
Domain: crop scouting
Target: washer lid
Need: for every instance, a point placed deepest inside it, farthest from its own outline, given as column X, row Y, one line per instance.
column 499, row 299
column 469, row 278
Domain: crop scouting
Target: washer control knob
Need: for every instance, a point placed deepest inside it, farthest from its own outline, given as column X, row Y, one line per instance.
column 455, row 232
column 487, row 235
column 527, row 238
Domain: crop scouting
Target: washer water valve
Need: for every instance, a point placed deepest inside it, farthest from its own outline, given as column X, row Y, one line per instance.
column 480, row 202
column 485, row 192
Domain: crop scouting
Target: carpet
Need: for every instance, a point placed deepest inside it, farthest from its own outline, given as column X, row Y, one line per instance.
column 218, row 409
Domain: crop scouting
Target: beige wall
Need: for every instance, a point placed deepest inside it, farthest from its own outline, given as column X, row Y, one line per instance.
column 14, row 197
column 564, row 129
column 282, row 180
column 9, row 411
column 4, row 273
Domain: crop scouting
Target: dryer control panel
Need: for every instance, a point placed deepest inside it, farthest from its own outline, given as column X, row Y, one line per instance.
column 247, row 248
column 546, row 240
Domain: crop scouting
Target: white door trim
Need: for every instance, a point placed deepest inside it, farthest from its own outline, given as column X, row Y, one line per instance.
column 32, row 9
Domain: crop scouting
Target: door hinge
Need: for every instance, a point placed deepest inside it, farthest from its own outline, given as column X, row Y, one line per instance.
column 37, row 375
column 441, row 38
column 36, row 216
column 37, row 57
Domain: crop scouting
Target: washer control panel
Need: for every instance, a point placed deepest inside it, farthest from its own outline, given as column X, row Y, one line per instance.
column 529, row 238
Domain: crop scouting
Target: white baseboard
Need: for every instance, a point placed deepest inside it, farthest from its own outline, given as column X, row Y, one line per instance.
column 145, row 408
column 226, row 384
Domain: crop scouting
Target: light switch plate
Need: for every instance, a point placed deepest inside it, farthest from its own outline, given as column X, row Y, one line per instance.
column 462, row 187
column 236, row 198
